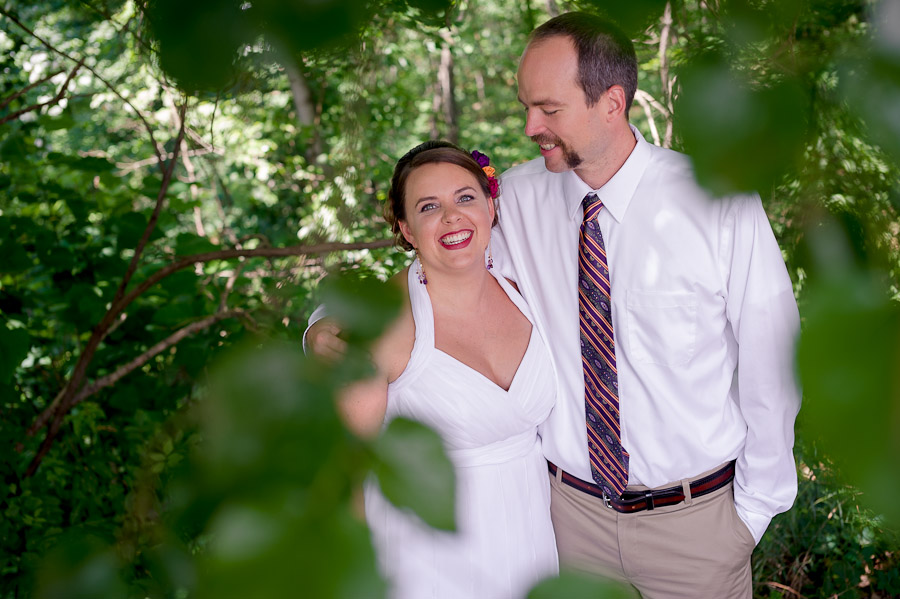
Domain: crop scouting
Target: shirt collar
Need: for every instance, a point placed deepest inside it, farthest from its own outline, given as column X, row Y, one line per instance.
column 618, row 191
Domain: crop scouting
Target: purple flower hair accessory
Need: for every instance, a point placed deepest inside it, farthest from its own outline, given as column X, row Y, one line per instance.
column 485, row 163
column 481, row 159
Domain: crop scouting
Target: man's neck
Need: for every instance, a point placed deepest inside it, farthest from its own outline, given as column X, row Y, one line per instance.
column 620, row 148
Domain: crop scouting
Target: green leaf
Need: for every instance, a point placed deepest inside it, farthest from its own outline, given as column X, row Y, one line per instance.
column 177, row 312
column 129, row 229
column 93, row 164
column 582, row 586
column 80, row 566
column 14, row 346
column 191, row 243
column 740, row 137
column 63, row 121
column 362, row 304
column 871, row 84
column 198, row 41
column 848, row 358
column 413, row 471
column 15, row 258
column 633, row 16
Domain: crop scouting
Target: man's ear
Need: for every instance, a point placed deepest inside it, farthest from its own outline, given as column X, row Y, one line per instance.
column 615, row 102
column 407, row 234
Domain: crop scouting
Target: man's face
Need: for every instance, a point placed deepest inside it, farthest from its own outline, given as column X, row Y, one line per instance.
column 557, row 118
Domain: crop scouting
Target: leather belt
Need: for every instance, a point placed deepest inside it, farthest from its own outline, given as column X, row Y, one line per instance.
column 638, row 501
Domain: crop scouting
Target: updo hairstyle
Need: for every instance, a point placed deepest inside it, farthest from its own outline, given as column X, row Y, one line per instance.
column 429, row 152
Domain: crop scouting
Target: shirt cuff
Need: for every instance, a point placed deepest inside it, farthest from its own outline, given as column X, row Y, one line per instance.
column 755, row 523
column 318, row 314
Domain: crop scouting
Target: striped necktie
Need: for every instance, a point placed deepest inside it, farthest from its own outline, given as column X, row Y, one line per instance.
column 609, row 460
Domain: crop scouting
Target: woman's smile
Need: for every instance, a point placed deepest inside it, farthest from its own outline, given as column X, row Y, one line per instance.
column 457, row 239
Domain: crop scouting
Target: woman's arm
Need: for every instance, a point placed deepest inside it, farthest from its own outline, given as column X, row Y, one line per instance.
column 362, row 405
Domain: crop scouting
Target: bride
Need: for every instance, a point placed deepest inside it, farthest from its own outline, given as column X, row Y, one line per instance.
column 465, row 359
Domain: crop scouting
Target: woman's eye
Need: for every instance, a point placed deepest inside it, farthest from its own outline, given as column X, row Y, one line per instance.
column 465, row 198
column 427, row 207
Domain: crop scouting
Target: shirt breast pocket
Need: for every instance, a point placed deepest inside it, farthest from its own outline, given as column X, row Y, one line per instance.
column 662, row 326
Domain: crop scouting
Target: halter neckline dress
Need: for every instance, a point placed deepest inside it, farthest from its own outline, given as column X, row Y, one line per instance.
column 504, row 541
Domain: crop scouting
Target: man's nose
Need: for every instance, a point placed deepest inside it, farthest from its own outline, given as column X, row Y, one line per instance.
column 533, row 124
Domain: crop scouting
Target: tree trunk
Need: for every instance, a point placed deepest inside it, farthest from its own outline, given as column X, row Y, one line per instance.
column 667, row 83
column 445, row 81
column 552, row 8
column 306, row 110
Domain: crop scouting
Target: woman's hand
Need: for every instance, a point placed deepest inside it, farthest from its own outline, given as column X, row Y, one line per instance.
column 323, row 341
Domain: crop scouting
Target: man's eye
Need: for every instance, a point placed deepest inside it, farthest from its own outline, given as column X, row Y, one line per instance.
column 550, row 112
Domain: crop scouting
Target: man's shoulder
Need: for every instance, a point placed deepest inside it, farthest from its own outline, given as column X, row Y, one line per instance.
column 672, row 175
column 670, row 164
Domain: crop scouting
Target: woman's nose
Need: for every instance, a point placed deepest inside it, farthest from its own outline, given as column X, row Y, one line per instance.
column 451, row 214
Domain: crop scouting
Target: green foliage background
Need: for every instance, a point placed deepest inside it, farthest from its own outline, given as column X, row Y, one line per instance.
column 176, row 178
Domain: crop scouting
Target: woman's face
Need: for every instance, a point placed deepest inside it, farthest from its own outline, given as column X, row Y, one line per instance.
column 448, row 216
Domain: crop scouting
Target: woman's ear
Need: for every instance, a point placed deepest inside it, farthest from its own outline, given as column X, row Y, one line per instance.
column 407, row 234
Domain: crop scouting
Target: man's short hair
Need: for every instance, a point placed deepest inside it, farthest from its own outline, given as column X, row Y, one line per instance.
column 605, row 54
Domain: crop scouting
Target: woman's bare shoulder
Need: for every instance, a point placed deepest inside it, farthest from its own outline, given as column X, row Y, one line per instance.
column 392, row 351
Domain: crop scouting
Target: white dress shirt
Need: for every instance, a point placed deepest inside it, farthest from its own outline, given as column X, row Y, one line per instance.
column 704, row 319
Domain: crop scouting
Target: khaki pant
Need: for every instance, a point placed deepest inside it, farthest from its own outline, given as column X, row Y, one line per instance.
column 697, row 549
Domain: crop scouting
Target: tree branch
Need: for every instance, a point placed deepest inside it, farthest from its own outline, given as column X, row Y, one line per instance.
column 642, row 95
column 160, row 200
column 55, row 100
column 229, row 286
column 783, row 587
column 138, row 164
column 642, row 100
column 158, row 348
column 102, row 329
column 156, row 149
column 271, row 252
column 28, row 88
column 119, row 307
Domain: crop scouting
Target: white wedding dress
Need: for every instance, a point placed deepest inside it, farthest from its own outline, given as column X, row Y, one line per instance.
column 504, row 541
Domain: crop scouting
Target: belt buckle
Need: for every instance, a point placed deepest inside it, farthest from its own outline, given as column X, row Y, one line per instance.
column 606, row 500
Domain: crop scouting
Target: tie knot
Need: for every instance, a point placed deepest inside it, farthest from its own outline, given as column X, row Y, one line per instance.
column 592, row 206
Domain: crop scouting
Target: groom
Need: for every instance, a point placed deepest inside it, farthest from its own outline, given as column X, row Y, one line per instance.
column 671, row 320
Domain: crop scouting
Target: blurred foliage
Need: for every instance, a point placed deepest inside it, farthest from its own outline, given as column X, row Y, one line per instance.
column 216, row 466
column 826, row 546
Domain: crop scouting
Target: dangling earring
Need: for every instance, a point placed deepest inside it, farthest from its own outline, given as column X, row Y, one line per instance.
column 420, row 270
column 490, row 262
